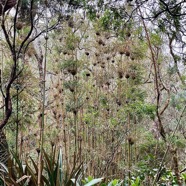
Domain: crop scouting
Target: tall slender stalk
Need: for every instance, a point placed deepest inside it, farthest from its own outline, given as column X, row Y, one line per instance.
column 21, row 137
column 75, row 116
column 43, row 108
column 17, row 117
column 129, row 150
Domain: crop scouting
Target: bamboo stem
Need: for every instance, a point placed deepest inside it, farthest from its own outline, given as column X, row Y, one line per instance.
column 43, row 110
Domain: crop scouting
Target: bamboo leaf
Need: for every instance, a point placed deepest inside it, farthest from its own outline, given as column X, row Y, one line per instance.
column 45, row 180
column 73, row 174
column 19, row 163
column 48, row 162
column 4, row 168
column 94, row 181
column 53, row 157
column 75, row 182
column 11, row 169
column 30, row 172
column 34, row 164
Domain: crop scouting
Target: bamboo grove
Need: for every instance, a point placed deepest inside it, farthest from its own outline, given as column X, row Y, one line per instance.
column 106, row 94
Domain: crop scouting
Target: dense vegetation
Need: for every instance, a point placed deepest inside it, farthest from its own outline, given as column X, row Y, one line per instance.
column 92, row 93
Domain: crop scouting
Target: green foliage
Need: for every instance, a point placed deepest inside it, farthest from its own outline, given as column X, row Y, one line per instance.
column 144, row 109
column 105, row 20
column 115, row 182
column 69, row 64
column 92, row 181
column 172, row 70
column 183, row 175
column 168, row 178
column 71, row 42
column 103, row 100
column 91, row 12
column 21, row 174
column 136, row 182
column 135, row 94
column 71, row 85
column 75, row 105
column 110, row 20
column 89, row 181
column 89, row 117
column 178, row 100
column 178, row 141
column 147, row 150
column 139, row 51
column 144, row 170
column 156, row 39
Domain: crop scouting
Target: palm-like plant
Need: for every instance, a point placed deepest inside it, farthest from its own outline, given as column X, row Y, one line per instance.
column 19, row 173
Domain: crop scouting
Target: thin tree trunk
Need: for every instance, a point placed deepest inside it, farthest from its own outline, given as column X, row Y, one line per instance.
column 4, row 152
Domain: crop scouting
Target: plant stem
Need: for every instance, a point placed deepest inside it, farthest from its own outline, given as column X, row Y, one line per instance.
column 158, row 94
column 17, row 118
column 43, row 110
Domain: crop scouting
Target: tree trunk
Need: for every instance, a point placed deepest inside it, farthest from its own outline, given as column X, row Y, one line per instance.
column 4, row 152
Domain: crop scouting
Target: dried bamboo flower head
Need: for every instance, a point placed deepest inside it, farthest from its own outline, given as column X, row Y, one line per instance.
column 19, row 25
column 98, row 33
column 120, row 73
column 101, row 42
column 131, row 140
column 127, row 75
column 87, row 74
column 52, row 143
column 71, row 23
column 87, row 53
column 127, row 53
column 72, row 71
column 38, row 150
column 128, row 34
column 133, row 75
